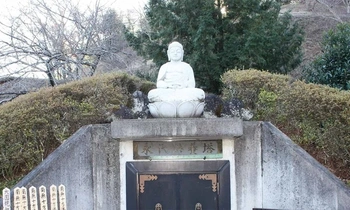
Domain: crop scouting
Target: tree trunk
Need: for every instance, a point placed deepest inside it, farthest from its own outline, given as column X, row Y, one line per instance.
column 51, row 78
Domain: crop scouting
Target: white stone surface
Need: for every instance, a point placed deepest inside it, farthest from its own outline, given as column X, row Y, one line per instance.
column 43, row 197
column 62, row 197
column 176, row 95
column 53, row 197
column 17, row 197
column 125, row 154
column 176, row 109
column 228, row 154
column 33, row 198
column 6, row 193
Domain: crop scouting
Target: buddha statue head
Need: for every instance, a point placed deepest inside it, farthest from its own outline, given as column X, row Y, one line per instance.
column 175, row 52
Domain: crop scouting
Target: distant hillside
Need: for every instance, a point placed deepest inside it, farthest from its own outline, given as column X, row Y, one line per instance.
column 317, row 17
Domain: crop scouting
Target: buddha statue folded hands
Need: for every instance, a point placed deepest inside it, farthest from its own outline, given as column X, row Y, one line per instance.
column 176, row 95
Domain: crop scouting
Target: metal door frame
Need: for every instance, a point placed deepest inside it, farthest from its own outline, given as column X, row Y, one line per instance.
column 136, row 168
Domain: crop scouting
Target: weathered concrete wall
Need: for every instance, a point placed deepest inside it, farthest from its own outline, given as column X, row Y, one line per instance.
column 270, row 171
column 273, row 172
column 248, row 167
column 87, row 164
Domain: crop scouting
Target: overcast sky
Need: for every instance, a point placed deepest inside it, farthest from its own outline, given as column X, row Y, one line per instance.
column 11, row 6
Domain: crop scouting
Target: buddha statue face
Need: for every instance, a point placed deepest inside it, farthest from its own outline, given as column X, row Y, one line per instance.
column 175, row 52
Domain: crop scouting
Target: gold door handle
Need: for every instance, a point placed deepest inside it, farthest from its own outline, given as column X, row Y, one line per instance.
column 198, row 206
column 158, row 206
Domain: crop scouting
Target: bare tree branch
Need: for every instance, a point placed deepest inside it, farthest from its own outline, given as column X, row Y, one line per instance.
column 60, row 40
column 329, row 8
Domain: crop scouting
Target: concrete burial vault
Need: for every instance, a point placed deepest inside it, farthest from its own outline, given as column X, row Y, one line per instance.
column 186, row 164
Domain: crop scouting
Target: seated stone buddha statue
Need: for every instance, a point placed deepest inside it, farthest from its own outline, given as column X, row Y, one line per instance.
column 176, row 95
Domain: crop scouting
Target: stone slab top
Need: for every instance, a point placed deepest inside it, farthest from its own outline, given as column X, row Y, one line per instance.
column 177, row 128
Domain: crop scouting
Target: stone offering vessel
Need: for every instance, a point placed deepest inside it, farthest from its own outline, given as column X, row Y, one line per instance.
column 176, row 95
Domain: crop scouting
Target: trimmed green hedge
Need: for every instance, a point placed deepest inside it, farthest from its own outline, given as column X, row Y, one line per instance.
column 316, row 117
column 35, row 124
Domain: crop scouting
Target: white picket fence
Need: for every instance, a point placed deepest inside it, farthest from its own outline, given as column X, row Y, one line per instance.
column 34, row 199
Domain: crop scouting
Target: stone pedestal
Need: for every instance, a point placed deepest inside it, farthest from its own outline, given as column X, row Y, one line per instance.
column 176, row 109
column 177, row 128
column 176, row 152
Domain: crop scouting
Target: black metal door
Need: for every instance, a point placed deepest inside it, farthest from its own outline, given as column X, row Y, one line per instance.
column 160, row 191
column 178, row 192
column 178, row 185
column 195, row 191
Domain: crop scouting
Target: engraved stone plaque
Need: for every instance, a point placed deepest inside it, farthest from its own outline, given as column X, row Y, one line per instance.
column 62, row 197
column 43, row 198
column 24, row 199
column 191, row 149
column 17, row 198
column 53, row 197
column 33, row 198
column 7, row 198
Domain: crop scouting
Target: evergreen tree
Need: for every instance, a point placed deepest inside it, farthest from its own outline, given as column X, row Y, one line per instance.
column 220, row 35
column 333, row 66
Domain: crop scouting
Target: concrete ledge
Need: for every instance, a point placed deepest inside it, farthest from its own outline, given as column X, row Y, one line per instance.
column 177, row 128
column 87, row 163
